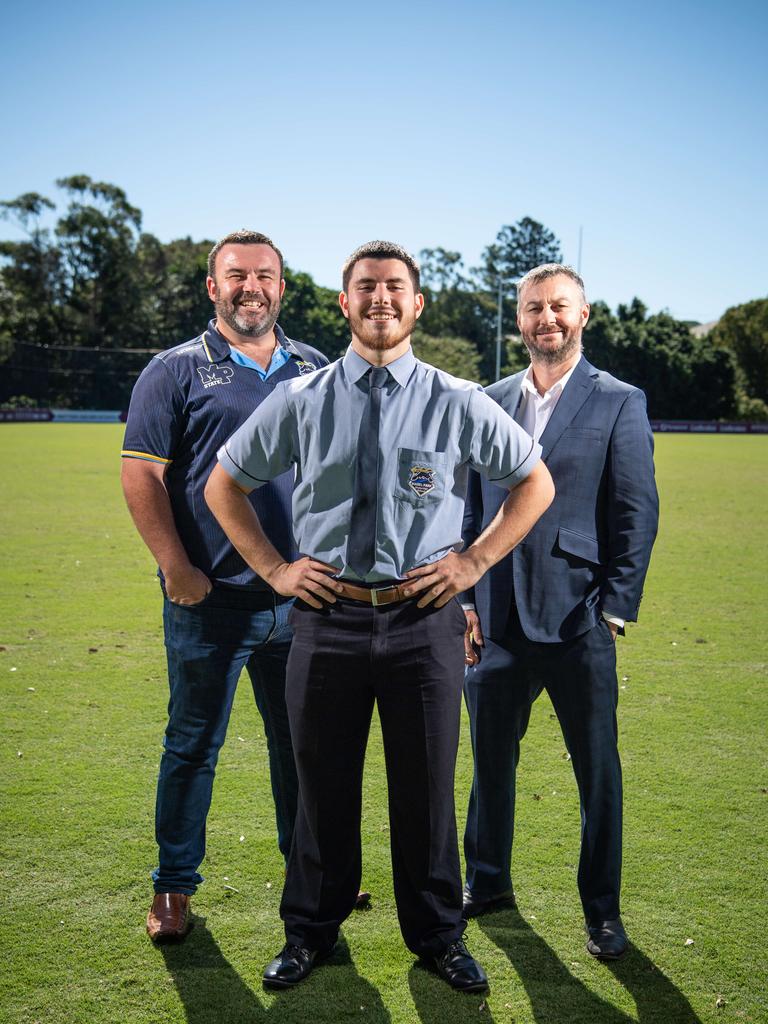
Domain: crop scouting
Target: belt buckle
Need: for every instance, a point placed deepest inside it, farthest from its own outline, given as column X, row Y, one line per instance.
column 381, row 590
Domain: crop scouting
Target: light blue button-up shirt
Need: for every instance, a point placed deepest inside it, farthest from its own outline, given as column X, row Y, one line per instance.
column 433, row 428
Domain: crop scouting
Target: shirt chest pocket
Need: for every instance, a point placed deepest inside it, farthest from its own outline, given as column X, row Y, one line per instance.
column 420, row 477
column 580, row 440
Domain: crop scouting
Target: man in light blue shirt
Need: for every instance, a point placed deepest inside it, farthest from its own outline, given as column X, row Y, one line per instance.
column 381, row 444
column 450, row 424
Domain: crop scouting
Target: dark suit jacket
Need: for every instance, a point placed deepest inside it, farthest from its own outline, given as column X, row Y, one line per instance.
column 590, row 550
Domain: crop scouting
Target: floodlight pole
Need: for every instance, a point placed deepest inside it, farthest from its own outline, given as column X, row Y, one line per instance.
column 499, row 322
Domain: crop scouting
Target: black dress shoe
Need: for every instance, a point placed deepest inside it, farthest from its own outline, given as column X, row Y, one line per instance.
column 362, row 900
column 474, row 906
column 607, row 939
column 291, row 965
column 458, row 967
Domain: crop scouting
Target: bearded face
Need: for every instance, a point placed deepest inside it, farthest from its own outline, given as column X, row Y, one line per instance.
column 247, row 289
column 551, row 316
column 381, row 328
column 251, row 314
column 381, row 304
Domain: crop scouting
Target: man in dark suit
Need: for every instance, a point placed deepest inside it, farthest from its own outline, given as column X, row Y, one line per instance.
column 547, row 616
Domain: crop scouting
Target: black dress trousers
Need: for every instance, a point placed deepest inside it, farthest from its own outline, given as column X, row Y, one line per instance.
column 580, row 677
column 410, row 661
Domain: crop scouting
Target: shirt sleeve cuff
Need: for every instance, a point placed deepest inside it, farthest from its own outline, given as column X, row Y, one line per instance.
column 614, row 619
column 129, row 453
column 523, row 470
column 245, row 480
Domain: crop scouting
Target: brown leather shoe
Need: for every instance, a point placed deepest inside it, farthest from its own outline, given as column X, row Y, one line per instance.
column 168, row 917
column 362, row 900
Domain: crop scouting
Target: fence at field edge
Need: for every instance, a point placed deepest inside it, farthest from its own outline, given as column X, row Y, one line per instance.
column 62, row 416
column 706, row 427
column 119, row 416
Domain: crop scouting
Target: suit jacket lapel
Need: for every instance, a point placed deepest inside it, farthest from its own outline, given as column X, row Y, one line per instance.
column 577, row 391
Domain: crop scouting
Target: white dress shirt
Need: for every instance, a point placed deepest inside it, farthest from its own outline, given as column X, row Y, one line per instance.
column 536, row 409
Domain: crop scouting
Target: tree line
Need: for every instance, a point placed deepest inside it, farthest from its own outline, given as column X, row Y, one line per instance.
column 85, row 302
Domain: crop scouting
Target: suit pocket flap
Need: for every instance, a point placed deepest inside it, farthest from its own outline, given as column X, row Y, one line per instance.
column 578, row 544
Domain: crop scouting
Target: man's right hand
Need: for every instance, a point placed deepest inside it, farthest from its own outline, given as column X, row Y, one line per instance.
column 306, row 578
column 187, row 585
column 473, row 637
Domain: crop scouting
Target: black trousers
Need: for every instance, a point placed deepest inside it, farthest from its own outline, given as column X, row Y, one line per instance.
column 580, row 677
column 410, row 662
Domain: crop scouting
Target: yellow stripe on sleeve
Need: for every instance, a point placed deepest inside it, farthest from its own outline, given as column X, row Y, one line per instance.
column 144, row 455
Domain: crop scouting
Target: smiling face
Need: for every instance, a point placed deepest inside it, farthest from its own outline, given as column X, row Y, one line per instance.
column 382, row 305
column 551, row 315
column 247, row 289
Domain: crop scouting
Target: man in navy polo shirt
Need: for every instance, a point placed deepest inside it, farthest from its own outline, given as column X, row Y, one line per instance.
column 219, row 616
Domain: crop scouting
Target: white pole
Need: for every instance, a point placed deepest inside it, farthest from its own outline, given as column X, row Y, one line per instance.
column 498, row 332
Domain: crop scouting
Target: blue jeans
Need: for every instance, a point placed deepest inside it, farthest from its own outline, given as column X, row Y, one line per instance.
column 208, row 645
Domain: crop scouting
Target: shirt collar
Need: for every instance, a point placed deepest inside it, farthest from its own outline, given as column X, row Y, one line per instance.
column 218, row 346
column 530, row 388
column 355, row 367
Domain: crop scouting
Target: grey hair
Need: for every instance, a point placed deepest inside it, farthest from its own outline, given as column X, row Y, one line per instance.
column 547, row 270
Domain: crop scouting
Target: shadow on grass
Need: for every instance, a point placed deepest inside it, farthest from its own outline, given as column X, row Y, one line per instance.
column 557, row 997
column 656, row 997
column 436, row 1002
column 212, row 991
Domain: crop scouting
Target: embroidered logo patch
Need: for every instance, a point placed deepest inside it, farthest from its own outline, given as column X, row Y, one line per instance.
column 213, row 374
column 421, row 480
column 305, row 367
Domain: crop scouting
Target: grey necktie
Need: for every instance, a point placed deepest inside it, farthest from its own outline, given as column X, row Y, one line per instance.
column 361, row 547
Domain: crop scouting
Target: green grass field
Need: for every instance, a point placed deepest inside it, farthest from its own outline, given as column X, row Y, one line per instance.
column 83, row 705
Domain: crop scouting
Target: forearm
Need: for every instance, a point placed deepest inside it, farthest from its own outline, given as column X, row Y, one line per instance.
column 150, row 508
column 519, row 513
column 236, row 516
column 470, row 528
column 456, row 574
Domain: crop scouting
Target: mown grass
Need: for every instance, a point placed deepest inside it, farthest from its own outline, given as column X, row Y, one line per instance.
column 83, row 703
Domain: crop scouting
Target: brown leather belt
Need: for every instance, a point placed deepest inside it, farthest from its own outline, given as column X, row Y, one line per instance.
column 377, row 596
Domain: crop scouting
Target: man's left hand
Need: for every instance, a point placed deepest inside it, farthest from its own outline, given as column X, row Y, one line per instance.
column 473, row 637
column 439, row 581
column 613, row 628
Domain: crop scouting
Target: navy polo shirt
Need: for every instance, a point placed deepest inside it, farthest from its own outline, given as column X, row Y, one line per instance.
column 184, row 406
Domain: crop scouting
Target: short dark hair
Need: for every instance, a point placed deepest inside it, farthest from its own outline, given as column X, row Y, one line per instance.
column 241, row 237
column 379, row 250
column 547, row 270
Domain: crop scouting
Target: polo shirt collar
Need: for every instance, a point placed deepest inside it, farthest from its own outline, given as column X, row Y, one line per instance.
column 401, row 369
column 218, row 346
column 285, row 341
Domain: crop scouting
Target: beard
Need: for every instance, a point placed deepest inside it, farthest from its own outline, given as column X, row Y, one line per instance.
column 375, row 337
column 555, row 354
column 247, row 322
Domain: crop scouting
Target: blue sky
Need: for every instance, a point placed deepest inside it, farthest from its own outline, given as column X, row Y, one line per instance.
column 426, row 123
